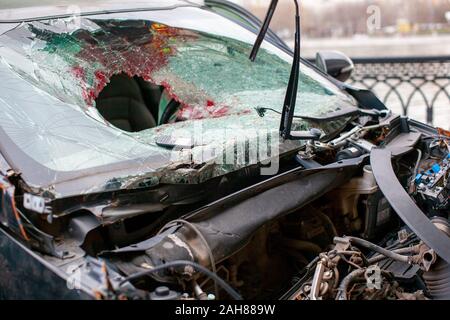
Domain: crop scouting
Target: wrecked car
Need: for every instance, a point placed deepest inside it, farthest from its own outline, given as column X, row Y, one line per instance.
column 141, row 158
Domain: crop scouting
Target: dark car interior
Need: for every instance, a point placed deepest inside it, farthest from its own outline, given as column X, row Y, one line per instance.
column 130, row 104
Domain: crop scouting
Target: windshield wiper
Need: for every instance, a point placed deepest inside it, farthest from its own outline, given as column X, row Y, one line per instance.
column 338, row 114
column 290, row 100
column 263, row 31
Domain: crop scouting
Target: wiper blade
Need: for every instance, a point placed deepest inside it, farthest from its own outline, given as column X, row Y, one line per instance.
column 291, row 92
column 263, row 31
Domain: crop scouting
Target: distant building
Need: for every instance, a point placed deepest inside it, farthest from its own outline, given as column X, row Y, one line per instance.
column 447, row 16
column 404, row 26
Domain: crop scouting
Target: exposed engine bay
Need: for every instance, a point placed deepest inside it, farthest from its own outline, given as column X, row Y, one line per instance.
column 363, row 216
column 342, row 241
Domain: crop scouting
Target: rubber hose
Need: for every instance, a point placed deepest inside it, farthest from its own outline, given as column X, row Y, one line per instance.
column 343, row 287
column 301, row 245
column 438, row 280
column 380, row 250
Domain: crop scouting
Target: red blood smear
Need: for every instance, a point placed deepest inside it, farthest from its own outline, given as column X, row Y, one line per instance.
column 116, row 54
column 79, row 73
column 101, row 81
column 220, row 112
column 142, row 59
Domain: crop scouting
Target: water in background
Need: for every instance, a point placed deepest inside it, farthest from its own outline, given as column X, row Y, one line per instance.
column 362, row 46
column 397, row 46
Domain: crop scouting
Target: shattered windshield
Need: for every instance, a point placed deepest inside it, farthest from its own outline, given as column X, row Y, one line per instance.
column 211, row 76
column 207, row 73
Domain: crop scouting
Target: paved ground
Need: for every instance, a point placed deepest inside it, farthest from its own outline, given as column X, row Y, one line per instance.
column 380, row 47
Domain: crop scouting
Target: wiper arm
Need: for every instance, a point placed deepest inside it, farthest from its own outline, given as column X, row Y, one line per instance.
column 347, row 112
column 291, row 92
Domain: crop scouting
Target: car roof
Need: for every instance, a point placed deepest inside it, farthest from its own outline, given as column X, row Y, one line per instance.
column 24, row 10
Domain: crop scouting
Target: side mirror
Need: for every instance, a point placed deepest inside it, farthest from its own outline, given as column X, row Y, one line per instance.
column 336, row 64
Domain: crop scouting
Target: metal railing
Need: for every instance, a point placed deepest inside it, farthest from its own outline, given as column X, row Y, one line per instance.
column 415, row 86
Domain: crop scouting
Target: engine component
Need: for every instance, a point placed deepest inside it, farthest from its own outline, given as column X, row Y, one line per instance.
column 345, row 273
column 164, row 293
column 348, row 153
column 405, row 207
column 438, row 278
column 231, row 230
column 189, row 267
column 363, row 205
column 434, row 185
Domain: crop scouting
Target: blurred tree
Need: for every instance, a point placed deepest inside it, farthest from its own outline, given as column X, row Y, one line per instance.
column 340, row 18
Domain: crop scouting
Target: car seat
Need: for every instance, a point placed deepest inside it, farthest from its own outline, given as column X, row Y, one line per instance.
column 121, row 103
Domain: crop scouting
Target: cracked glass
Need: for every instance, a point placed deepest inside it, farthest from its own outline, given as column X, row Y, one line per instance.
column 52, row 72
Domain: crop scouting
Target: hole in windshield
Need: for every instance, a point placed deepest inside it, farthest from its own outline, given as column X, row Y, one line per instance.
column 133, row 104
